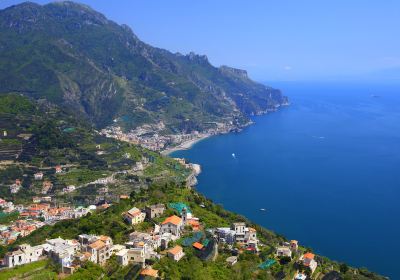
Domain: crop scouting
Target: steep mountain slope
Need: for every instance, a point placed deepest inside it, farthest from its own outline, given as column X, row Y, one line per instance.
column 37, row 136
column 74, row 56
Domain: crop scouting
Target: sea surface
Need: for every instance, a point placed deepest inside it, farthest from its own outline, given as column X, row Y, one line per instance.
column 326, row 169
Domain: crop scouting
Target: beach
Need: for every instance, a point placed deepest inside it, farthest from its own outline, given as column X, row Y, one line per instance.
column 185, row 145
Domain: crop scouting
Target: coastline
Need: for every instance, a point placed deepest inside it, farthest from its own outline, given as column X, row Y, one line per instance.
column 186, row 145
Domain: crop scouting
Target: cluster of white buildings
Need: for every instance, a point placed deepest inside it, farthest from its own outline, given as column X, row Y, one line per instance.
column 6, row 206
column 38, row 176
column 238, row 233
column 16, row 186
column 142, row 246
column 68, row 253
column 146, row 245
column 145, row 135
column 307, row 260
column 150, row 136
column 289, row 249
column 98, row 249
column 34, row 216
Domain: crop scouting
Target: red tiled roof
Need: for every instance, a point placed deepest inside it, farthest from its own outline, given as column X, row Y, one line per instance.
column 97, row 245
column 176, row 250
column 309, row 256
column 198, row 245
column 149, row 272
column 173, row 220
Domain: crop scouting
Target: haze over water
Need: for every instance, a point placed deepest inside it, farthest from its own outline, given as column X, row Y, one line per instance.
column 326, row 168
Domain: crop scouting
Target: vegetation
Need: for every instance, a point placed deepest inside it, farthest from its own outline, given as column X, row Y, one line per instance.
column 101, row 71
column 5, row 218
column 40, row 270
column 81, row 71
column 110, row 222
column 87, row 156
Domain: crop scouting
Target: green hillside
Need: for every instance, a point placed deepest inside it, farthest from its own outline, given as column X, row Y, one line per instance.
column 40, row 136
column 100, row 70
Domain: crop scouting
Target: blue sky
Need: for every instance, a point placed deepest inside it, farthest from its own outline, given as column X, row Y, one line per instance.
column 273, row 40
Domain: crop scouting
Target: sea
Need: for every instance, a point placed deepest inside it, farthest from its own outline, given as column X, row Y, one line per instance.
column 326, row 169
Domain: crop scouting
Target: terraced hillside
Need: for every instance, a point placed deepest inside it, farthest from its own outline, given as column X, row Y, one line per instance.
column 39, row 136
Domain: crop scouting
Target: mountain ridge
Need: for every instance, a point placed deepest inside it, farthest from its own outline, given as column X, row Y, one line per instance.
column 103, row 72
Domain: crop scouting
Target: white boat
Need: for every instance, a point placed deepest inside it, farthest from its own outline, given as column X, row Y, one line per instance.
column 263, row 209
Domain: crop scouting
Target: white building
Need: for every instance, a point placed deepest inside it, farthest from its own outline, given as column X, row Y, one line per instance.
column 173, row 225
column 38, row 176
column 122, row 257
column 69, row 189
column 176, row 253
column 14, row 188
column 240, row 231
column 308, row 260
column 283, row 252
column 23, row 255
column 225, row 235
column 137, row 255
column 231, row 260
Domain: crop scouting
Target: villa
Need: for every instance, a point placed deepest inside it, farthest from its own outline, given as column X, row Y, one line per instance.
column 283, row 252
column 23, row 255
column 176, row 253
column 173, row 225
column 122, row 257
column 134, row 216
column 240, row 231
column 308, row 260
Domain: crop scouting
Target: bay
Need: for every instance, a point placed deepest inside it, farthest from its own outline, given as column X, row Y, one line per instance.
column 326, row 169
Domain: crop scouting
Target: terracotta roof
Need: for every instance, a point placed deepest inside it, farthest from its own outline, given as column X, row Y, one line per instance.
column 176, row 250
column 149, row 272
column 198, row 245
column 104, row 238
column 134, row 212
column 97, row 245
column 194, row 224
column 309, row 256
column 173, row 220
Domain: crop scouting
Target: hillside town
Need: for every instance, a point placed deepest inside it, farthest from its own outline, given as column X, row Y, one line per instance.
column 150, row 136
column 170, row 238
column 34, row 216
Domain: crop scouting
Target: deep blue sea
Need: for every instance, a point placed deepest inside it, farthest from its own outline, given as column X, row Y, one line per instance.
column 326, row 168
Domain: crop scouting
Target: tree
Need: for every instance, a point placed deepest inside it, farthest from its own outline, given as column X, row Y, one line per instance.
column 343, row 268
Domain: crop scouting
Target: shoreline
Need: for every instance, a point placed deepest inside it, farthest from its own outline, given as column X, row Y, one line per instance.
column 186, row 145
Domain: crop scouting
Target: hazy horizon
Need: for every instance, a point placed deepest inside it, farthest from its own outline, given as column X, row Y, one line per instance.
column 274, row 40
